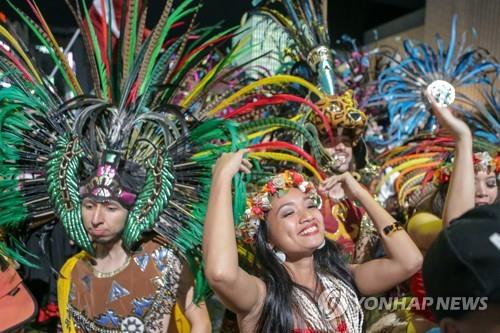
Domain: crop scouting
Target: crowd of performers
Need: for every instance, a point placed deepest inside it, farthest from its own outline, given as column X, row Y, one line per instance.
column 185, row 181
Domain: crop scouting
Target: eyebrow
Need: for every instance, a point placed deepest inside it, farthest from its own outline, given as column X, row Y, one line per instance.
column 292, row 203
column 284, row 205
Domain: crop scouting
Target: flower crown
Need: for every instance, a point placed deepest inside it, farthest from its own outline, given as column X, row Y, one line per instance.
column 259, row 204
column 485, row 162
column 482, row 162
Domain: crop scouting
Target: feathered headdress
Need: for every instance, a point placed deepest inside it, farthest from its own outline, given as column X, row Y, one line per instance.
column 484, row 118
column 307, row 24
column 125, row 140
column 402, row 85
column 415, row 171
column 408, row 170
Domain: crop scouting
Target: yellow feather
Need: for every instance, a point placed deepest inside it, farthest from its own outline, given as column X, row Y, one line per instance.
column 20, row 51
column 288, row 158
column 401, row 167
column 277, row 79
column 403, row 192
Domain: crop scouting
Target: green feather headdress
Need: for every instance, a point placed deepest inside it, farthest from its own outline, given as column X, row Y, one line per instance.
column 151, row 108
column 138, row 114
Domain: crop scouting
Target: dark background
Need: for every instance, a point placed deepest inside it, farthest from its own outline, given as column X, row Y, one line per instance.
column 352, row 17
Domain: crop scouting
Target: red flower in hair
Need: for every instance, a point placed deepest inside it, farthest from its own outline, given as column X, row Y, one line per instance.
column 257, row 210
column 270, row 188
column 297, row 178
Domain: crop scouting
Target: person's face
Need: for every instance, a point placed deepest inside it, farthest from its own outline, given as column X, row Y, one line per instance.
column 484, row 321
column 340, row 150
column 486, row 190
column 104, row 222
column 295, row 224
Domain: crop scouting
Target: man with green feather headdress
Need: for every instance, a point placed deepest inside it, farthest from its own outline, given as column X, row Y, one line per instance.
column 124, row 171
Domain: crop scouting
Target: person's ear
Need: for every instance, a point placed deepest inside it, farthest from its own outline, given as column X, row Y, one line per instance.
column 449, row 325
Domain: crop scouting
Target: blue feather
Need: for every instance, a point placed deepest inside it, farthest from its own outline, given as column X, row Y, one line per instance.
column 451, row 45
column 401, row 86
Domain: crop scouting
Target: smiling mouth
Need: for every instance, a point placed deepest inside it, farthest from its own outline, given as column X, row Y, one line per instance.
column 311, row 230
column 338, row 160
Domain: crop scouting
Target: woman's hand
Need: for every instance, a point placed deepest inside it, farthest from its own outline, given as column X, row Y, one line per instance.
column 338, row 185
column 230, row 163
column 446, row 119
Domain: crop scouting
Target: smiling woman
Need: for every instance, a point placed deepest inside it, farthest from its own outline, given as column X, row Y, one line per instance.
column 303, row 283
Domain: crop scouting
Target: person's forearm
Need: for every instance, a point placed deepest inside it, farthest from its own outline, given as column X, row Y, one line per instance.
column 398, row 245
column 460, row 195
column 219, row 240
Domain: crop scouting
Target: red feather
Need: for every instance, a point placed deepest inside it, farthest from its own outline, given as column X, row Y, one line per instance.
column 280, row 99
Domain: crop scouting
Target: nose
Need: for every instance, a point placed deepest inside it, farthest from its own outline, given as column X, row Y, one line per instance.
column 340, row 146
column 481, row 190
column 97, row 215
column 306, row 216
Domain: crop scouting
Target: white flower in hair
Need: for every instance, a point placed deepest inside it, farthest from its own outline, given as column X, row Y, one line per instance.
column 278, row 182
column 266, row 203
column 254, row 223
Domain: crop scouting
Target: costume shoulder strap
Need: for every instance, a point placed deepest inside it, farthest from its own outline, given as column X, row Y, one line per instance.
column 63, row 288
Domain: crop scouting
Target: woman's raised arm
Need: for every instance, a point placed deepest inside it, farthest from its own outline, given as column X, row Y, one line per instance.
column 238, row 290
column 403, row 257
column 460, row 195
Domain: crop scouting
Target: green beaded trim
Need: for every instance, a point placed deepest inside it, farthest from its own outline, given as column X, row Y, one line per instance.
column 151, row 201
column 62, row 171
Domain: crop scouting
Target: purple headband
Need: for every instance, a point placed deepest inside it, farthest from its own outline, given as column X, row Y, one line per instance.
column 105, row 185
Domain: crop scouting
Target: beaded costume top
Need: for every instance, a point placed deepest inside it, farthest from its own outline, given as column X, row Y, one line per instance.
column 135, row 298
column 337, row 310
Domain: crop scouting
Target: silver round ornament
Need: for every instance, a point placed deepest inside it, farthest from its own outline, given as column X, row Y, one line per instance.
column 132, row 325
column 442, row 91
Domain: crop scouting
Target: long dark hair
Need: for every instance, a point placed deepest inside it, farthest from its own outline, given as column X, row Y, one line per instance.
column 277, row 312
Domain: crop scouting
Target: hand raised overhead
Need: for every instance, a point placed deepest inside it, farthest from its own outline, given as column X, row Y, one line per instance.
column 230, row 163
column 446, row 119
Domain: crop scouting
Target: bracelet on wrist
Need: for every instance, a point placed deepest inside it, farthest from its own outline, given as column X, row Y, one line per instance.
column 390, row 229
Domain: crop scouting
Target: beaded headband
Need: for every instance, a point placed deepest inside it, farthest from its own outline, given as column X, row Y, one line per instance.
column 107, row 183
